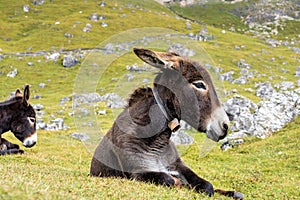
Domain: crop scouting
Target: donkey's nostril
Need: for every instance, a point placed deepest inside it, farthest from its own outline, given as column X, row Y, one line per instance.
column 225, row 127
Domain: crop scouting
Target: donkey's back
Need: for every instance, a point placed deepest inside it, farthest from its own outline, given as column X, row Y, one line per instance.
column 138, row 144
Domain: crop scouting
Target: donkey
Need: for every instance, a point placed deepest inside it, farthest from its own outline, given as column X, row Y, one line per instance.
column 17, row 116
column 138, row 145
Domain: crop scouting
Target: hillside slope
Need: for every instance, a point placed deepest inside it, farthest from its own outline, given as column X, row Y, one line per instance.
column 34, row 40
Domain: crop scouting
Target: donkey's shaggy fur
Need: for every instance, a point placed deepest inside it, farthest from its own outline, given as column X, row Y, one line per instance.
column 138, row 145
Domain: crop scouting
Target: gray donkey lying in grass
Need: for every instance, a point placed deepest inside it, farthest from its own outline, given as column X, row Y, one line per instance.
column 138, row 145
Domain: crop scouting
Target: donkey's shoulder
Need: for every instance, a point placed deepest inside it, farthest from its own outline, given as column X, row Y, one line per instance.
column 139, row 95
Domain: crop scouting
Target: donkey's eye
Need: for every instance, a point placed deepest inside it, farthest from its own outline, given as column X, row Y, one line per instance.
column 199, row 85
column 31, row 119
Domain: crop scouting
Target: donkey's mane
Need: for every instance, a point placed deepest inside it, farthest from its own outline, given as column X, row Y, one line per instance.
column 11, row 101
column 139, row 95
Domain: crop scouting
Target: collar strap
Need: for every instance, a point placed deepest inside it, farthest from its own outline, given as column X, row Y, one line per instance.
column 173, row 124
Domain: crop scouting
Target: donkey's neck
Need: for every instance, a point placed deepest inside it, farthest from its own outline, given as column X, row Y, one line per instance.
column 169, row 102
column 5, row 118
column 148, row 113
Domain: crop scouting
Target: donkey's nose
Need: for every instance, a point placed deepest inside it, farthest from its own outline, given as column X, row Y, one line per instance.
column 225, row 127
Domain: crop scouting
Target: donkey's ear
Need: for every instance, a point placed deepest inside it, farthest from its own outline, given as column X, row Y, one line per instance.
column 26, row 94
column 18, row 93
column 156, row 59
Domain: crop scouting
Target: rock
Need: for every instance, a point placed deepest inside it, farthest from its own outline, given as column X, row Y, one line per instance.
column 188, row 26
column 145, row 80
column 37, row 97
column 130, row 77
column 227, row 76
column 109, row 48
column 26, row 8
column 113, row 100
column 264, row 90
column 297, row 73
column 296, row 50
column 81, row 136
column 269, row 115
column 181, row 50
column 228, row 144
column 54, row 56
column 12, row 73
column 42, row 85
column 180, row 137
column 84, row 99
column 136, row 68
column 69, row 35
column 104, row 24
column 203, row 35
column 94, row 17
column 82, row 112
column 102, row 4
column 40, row 124
column 38, row 107
column 86, row 30
column 38, row 2
column 59, row 122
column 242, row 64
column 101, row 112
column 88, row 25
column 242, row 110
column 69, row 61
column 184, row 125
column 287, row 85
column 241, row 80
column 64, row 100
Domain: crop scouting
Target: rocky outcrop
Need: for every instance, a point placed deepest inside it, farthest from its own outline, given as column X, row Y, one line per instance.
column 276, row 109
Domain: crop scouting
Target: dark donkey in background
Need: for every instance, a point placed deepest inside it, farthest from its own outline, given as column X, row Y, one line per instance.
column 17, row 116
column 138, row 145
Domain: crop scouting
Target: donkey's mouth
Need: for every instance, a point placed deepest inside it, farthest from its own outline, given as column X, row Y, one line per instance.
column 214, row 136
column 30, row 141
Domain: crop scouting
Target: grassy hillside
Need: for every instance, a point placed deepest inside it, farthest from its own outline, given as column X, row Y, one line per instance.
column 58, row 166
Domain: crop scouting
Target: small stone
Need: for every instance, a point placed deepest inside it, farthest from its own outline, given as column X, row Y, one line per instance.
column 13, row 73
column 101, row 112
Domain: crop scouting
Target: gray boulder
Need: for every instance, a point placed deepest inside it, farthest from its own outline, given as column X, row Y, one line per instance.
column 180, row 137
column 69, row 61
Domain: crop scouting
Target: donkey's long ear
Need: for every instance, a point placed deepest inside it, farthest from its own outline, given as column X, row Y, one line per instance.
column 26, row 94
column 156, row 59
column 18, row 93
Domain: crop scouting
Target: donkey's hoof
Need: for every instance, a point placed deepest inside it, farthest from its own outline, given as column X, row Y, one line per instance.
column 3, row 147
column 206, row 187
column 21, row 151
column 238, row 195
column 177, row 182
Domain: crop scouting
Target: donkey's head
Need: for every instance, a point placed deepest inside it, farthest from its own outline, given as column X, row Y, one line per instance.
column 187, row 92
column 23, row 122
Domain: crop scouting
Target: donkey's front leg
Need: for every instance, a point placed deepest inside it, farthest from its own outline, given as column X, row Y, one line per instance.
column 193, row 180
column 159, row 178
column 7, row 147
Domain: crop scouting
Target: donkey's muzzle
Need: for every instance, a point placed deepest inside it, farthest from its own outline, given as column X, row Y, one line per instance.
column 30, row 141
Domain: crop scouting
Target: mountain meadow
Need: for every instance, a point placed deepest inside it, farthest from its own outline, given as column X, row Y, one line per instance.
column 66, row 48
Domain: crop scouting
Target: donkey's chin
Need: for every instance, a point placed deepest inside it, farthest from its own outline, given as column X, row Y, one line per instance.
column 211, row 134
column 30, row 141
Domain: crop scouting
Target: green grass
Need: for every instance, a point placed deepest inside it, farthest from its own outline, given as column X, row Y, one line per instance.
column 214, row 14
column 58, row 166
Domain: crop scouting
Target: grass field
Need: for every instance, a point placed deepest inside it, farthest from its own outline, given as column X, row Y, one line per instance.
column 58, row 166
